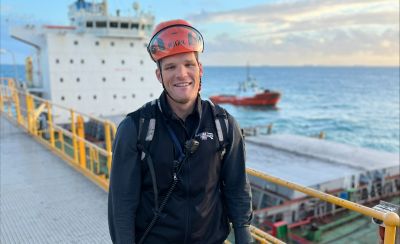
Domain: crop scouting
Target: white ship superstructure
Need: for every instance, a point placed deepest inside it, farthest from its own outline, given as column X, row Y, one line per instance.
column 98, row 64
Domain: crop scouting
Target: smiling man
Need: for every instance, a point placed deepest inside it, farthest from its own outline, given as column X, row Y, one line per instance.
column 178, row 172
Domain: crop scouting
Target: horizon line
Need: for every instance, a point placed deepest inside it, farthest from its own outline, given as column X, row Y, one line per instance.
column 280, row 65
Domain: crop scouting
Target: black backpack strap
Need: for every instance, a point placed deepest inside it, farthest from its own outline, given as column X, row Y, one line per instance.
column 222, row 126
column 147, row 125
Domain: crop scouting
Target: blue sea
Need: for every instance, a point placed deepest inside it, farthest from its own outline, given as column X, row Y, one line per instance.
column 352, row 105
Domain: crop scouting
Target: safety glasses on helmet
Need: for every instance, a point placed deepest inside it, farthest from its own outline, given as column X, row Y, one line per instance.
column 175, row 39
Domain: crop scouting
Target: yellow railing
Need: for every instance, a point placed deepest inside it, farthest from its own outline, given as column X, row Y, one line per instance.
column 69, row 141
column 390, row 219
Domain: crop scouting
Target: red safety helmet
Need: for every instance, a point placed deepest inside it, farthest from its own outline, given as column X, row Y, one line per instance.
column 173, row 37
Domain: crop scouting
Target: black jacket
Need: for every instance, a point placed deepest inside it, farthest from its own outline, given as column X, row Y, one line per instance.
column 210, row 192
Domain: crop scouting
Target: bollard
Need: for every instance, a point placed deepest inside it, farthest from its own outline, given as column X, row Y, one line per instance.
column 269, row 129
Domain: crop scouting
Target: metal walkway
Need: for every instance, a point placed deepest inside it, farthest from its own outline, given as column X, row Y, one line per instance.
column 43, row 199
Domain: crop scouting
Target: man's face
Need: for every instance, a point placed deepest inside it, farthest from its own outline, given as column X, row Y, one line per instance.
column 181, row 76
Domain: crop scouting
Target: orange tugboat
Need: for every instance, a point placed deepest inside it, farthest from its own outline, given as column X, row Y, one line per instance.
column 249, row 94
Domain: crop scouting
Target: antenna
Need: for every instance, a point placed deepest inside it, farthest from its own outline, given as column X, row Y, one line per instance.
column 136, row 7
column 248, row 71
column 105, row 7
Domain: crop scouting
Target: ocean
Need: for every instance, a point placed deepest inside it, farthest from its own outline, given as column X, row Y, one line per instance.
column 352, row 105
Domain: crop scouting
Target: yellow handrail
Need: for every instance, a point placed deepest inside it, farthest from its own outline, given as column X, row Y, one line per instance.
column 390, row 219
column 72, row 146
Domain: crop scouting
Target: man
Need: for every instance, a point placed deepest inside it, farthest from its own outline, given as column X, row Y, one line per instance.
column 186, row 183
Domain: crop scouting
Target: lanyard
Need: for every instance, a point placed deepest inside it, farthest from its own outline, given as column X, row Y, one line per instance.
column 178, row 146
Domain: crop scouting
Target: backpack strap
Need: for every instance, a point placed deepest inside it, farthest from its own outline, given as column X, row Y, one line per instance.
column 222, row 126
column 147, row 125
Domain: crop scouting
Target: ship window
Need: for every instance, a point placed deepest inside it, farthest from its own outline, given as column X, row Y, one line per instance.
column 79, row 97
column 97, row 43
column 142, row 79
column 142, row 27
column 103, row 61
column 123, row 79
column 122, row 61
column 123, row 97
column 114, row 24
column 133, row 95
column 62, row 98
column 115, row 96
column 112, row 43
column 151, row 94
column 78, row 80
column 71, row 61
column 94, row 97
column 124, row 25
column 57, row 61
column 134, row 26
column 101, row 24
column 89, row 24
column 131, row 44
column 75, row 42
column 82, row 61
column 141, row 62
column 104, row 79
column 61, row 80
column 278, row 217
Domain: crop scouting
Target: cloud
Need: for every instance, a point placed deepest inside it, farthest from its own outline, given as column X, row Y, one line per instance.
column 340, row 47
column 322, row 31
column 289, row 11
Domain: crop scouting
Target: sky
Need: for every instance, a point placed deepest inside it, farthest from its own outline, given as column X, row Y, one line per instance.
column 236, row 32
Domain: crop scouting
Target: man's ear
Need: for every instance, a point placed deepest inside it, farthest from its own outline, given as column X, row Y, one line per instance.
column 201, row 69
column 158, row 74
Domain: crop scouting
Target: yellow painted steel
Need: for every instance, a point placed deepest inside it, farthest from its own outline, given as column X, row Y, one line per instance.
column 58, row 139
column 81, row 134
column 50, row 124
column 39, row 110
column 66, row 147
column 391, row 220
column 259, row 234
column 15, row 96
column 108, row 145
column 30, row 114
column 259, row 239
column 74, row 142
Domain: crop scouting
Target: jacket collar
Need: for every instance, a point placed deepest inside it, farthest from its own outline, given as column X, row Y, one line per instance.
column 169, row 113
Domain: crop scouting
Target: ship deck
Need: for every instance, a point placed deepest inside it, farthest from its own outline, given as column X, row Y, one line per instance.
column 320, row 160
column 43, row 200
